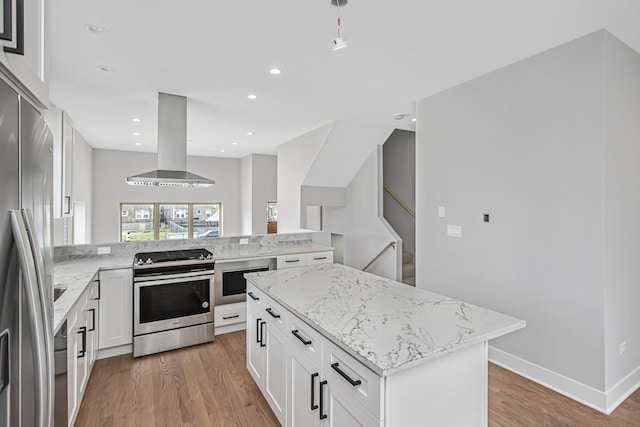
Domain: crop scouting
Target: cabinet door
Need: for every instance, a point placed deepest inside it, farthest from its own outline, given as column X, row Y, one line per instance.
column 342, row 410
column 72, row 370
column 275, row 382
column 303, row 391
column 92, row 332
column 116, row 308
column 67, row 166
column 255, row 342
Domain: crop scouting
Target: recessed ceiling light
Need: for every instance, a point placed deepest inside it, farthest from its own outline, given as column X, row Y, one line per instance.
column 135, row 119
column 275, row 71
column 252, row 96
column 234, row 143
column 249, row 133
column 398, row 116
column 138, row 144
column 413, row 120
column 223, row 150
column 95, row 29
column 136, row 133
column 106, row 68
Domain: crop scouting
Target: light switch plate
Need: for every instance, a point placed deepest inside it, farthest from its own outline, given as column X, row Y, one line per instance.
column 454, row 231
column 104, row 250
column 441, row 212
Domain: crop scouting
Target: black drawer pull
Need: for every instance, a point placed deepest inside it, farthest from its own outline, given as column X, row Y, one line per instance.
column 253, row 297
column 83, row 352
column 235, row 316
column 270, row 311
column 313, row 392
column 262, row 344
column 322, row 384
column 93, row 319
column 258, row 330
column 319, row 258
column 292, row 260
column 304, row 341
column 354, row 383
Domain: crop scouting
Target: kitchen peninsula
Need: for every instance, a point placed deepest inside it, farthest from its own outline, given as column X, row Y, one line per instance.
column 331, row 342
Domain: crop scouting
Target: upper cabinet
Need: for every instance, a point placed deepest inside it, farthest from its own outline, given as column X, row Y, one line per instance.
column 63, row 136
column 23, row 49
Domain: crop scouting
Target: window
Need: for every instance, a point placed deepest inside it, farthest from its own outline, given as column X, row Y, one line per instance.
column 164, row 221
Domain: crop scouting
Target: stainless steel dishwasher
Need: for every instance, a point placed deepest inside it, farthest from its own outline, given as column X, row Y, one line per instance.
column 61, row 411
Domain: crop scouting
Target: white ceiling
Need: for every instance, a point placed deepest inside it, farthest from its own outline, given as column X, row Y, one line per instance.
column 217, row 52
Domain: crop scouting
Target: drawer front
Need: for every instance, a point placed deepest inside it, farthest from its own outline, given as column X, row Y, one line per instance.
column 255, row 297
column 275, row 315
column 320, row 258
column 230, row 314
column 287, row 261
column 306, row 339
column 368, row 392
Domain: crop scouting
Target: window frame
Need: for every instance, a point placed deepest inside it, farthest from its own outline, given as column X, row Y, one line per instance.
column 156, row 217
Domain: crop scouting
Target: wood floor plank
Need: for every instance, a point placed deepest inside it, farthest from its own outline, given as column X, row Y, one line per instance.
column 209, row 385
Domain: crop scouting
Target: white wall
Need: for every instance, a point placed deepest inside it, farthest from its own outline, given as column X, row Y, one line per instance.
column 523, row 144
column 400, row 175
column 621, row 210
column 294, row 160
column 549, row 148
column 82, row 186
column 110, row 189
column 246, row 203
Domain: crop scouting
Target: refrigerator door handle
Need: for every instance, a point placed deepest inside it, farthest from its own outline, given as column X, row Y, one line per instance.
column 46, row 303
column 25, row 255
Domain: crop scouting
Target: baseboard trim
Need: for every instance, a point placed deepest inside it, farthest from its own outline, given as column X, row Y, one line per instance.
column 604, row 402
column 114, row 351
column 230, row 328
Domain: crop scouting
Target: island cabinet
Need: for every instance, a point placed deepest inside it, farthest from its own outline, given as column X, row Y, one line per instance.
column 329, row 345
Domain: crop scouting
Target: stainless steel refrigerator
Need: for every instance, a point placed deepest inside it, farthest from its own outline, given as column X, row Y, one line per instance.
column 26, row 303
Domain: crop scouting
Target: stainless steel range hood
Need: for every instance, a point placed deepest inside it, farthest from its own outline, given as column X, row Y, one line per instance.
column 172, row 148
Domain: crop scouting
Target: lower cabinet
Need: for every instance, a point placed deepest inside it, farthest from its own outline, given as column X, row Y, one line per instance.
column 304, row 377
column 116, row 308
column 82, row 339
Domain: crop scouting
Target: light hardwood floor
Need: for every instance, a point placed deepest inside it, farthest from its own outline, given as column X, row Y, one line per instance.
column 208, row 385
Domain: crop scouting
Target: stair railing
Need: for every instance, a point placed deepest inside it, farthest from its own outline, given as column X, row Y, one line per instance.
column 375, row 258
column 399, row 200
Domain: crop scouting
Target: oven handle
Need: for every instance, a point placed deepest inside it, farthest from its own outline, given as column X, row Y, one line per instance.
column 172, row 280
column 159, row 277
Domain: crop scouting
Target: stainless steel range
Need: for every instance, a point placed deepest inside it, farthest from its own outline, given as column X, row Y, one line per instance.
column 172, row 300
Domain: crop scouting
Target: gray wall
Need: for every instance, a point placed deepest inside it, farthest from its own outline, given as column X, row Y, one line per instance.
column 109, row 187
column 399, row 166
column 246, row 181
column 621, row 210
column 524, row 144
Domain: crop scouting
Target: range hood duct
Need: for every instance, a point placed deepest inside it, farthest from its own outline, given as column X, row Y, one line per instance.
column 172, row 148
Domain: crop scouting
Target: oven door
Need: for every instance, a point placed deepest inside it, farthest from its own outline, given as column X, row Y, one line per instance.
column 171, row 303
column 230, row 284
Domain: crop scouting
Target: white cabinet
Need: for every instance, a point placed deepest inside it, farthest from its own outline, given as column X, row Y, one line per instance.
column 299, row 260
column 266, row 350
column 81, row 345
column 116, row 308
column 303, row 394
column 30, row 67
column 63, row 133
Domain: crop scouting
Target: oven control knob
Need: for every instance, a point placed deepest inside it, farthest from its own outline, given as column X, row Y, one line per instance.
column 201, row 258
column 209, row 256
column 205, row 304
column 140, row 262
column 149, row 261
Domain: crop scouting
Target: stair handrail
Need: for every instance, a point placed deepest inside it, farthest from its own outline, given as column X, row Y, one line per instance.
column 375, row 258
column 399, row 200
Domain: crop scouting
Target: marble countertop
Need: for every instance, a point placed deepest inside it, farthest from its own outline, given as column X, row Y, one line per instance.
column 77, row 273
column 387, row 325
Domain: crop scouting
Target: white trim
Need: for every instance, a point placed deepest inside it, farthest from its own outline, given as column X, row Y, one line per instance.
column 566, row 386
column 114, row 351
column 220, row 330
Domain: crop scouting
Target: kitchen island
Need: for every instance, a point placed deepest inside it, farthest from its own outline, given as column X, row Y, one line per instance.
column 351, row 348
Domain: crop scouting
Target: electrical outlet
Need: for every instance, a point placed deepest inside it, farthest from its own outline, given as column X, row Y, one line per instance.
column 454, row 231
column 104, row 250
column 244, row 240
column 623, row 347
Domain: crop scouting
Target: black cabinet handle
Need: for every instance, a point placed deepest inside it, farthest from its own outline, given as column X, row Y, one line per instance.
column 319, row 258
column 291, row 260
column 336, row 368
column 322, row 384
column 270, row 311
column 19, row 49
column 258, row 330
column 83, row 331
column 296, row 334
column 93, row 319
column 255, row 298
column 98, row 297
column 262, row 343
column 230, row 317
column 67, row 204
column 313, row 392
